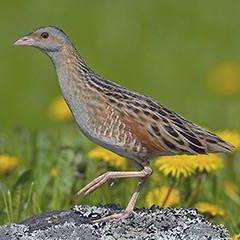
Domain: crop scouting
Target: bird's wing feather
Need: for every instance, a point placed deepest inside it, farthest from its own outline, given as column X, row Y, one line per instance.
column 168, row 130
column 174, row 134
column 179, row 135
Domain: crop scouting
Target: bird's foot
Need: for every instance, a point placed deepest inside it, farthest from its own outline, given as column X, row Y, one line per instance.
column 94, row 184
column 115, row 217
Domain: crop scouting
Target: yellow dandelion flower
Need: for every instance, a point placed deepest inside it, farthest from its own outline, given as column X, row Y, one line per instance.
column 176, row 166
column 8, row 164
column 54, row 172
column 224, row 79
column 59, row 111
column 230, row 136
column 110, row 158
column 235, row 237
column 207, row 163
column 230, row 188
column 209, row 208
column 158, row 195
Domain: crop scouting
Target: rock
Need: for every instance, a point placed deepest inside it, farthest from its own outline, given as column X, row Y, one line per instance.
column 147, row 224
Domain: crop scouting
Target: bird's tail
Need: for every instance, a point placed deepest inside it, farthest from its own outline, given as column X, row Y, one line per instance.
column 215, row 144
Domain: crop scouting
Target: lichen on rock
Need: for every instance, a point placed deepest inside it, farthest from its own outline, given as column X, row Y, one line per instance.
column 144, row 224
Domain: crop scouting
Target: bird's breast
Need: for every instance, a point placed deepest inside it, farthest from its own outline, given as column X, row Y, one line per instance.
column 99, row 120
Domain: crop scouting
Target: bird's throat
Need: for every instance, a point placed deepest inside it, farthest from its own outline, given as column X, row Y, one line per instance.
column 73, row 75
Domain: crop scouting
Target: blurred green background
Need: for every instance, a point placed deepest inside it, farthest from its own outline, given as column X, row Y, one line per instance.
column 165, row 49
column 185, row 54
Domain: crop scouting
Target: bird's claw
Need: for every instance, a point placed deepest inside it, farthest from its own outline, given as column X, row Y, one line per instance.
column 115, row 217
column 93, row 185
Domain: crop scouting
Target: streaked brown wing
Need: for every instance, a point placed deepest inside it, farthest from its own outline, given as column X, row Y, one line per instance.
column 181, row 136
column 161, row 129
column 171, row 134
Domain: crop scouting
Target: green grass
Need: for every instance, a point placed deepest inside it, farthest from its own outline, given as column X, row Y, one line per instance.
column 30, row 189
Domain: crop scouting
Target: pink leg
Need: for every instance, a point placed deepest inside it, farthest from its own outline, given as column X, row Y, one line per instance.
column 130, row 207
column 102, row 179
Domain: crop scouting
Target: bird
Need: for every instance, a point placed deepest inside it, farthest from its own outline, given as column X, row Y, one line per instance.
column 123, row 121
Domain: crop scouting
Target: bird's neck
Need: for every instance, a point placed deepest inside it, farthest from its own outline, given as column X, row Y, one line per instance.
column 70, row 61
column 73, row 75
column 71, row 70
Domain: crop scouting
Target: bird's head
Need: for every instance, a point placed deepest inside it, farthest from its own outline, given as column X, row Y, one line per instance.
column 49, row 39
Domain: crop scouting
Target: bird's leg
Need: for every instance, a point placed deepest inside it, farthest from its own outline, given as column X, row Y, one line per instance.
column 100, row 180
column 130, row 207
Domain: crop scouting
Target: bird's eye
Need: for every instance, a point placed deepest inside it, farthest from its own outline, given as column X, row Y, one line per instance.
column 44, row 35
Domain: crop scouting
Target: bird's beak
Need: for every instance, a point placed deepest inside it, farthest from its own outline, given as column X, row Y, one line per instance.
column 25, row 41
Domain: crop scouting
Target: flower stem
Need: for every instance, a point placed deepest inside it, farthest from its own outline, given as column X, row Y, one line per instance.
column 172, row 186
column 193, row 194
